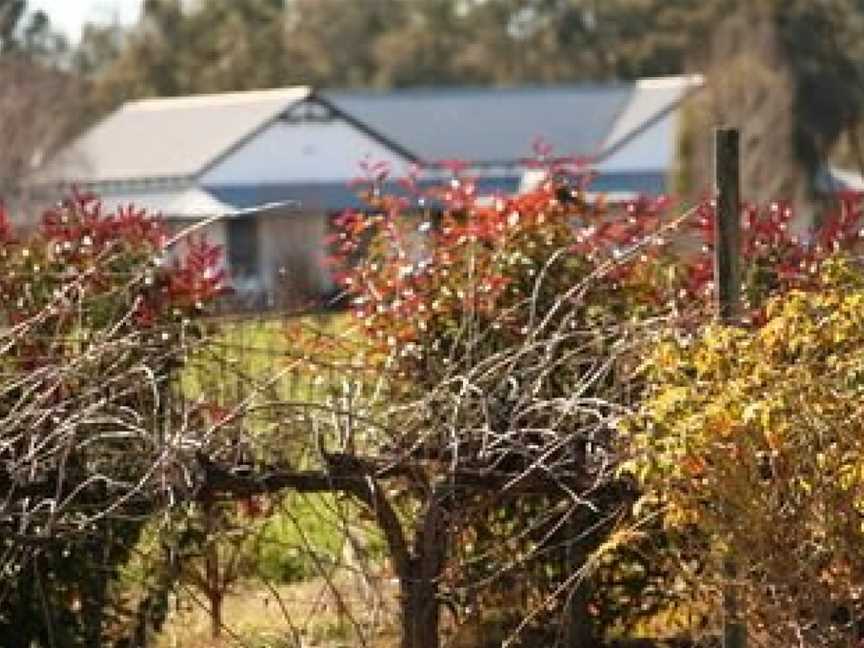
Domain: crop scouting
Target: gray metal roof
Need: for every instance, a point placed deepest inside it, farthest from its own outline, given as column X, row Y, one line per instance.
column 169, row 137
column 178, row 138
column 486, row 125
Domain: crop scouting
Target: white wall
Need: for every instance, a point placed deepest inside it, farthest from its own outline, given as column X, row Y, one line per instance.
column 301, row 152
column 654, row 149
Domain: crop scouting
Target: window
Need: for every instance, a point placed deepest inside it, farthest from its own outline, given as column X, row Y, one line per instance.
column 308, row 111
column 243, row 247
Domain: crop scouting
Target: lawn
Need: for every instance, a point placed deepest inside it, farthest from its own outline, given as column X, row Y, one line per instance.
column 265, row 362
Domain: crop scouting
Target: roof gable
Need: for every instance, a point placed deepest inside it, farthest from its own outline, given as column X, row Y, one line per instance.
column 645, row 134
column 169, row 137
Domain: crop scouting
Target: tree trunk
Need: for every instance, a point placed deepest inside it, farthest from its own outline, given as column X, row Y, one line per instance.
column 419, row 607
column 421, row 612
column 212, row 573
column 578, row 629
column 215, row 614
column 214, row 590
column 95, row 601
column 419, row 567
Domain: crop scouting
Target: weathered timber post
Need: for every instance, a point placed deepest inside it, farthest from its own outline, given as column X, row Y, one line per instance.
column 727, row 290
column 727, row 228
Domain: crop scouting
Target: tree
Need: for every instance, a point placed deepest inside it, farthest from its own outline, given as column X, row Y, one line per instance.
column 502, row 336
column 39, row 111
column 787, row 73
column 98, row 48
column 94, row 331
column 26, row 33
column 40, row 106
column 216, row 46
column 391, row 43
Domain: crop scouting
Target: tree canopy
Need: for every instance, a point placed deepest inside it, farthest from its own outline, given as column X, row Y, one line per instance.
column 217, row 45
column 29, row 33
column 788, row 73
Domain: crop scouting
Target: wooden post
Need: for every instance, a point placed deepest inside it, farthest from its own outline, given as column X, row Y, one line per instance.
column 727, row 230
column 727, row 290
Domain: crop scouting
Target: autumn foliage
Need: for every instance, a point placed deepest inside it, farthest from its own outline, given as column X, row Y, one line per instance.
column 749, row 445
column 117, row 259
column 434, row 258
column 737, row 428
column 97, row 318
column 418, row 260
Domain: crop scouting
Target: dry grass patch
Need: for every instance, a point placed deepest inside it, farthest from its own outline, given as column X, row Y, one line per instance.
column 304, row 614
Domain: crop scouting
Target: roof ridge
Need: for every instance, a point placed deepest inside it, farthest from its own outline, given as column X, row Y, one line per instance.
column 243, row 96
column 425, row 91
column 676, row 81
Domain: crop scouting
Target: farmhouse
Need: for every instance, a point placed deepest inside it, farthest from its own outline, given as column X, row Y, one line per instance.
column 278, row 163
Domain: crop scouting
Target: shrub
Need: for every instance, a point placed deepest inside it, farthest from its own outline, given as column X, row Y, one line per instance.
column 748, row 443
column 96, row 321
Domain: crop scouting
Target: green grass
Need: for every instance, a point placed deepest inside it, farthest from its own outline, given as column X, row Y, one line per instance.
column 272, row 365
column 268, row 355
column 274, row 372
